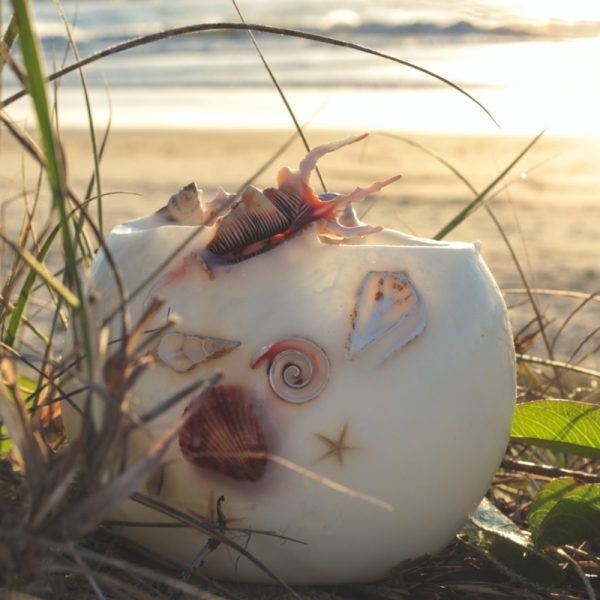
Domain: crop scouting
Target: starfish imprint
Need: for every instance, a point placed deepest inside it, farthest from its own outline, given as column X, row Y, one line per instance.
column 335, row 446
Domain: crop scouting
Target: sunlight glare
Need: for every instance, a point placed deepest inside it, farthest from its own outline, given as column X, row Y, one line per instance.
column 552, row 10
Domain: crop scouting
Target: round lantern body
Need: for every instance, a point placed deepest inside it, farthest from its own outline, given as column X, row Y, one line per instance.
column 367, row 381
column 365, row 403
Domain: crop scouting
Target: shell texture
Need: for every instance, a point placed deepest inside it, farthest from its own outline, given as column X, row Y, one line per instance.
column 225, row 436
column 253, row 219
column 389, row 311
column 260, row 220
column 184, row 203
column 298, row 369
column 185, row 352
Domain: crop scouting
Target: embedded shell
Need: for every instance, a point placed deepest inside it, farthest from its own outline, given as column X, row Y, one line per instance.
column 225, row 436
column 184, row 352
column 298, row 369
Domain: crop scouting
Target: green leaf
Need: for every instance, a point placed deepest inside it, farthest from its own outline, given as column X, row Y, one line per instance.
column 560, row 425
column 547, row 499
column 494, row 535
column 566, row 512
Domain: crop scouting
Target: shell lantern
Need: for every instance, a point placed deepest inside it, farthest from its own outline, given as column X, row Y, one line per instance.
column 368, row 380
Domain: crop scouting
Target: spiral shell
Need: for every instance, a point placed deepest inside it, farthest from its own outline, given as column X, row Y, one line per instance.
column 298, row 369
column 225, row 435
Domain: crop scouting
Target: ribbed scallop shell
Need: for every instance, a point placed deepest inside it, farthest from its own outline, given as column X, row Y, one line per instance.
column 225, row 435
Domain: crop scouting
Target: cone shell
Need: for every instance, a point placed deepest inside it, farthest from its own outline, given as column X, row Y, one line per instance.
column 225, row 435
column 184, row 352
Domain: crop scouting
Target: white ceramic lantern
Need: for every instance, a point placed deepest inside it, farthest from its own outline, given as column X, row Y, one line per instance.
column 368, row 380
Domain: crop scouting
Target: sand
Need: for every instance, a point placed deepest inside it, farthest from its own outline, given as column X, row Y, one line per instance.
column 549, row 206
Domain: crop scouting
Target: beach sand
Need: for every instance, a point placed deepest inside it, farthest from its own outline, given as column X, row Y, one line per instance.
column 548, row 206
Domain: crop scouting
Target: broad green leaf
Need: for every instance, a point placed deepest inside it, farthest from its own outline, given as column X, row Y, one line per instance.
column 495, row 536
column 566, row 512
column 560, row 425
column 5, row 444
column 547, row 499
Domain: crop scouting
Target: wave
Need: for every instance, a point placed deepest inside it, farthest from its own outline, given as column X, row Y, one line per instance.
column 419, row 31
column 424, row 29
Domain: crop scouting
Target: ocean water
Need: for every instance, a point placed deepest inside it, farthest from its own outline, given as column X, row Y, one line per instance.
column 531, row 62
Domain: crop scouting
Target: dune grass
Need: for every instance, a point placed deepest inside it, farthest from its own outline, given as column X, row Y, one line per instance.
column 56, row 497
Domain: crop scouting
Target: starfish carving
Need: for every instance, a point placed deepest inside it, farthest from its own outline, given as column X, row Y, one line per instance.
column 335, row 446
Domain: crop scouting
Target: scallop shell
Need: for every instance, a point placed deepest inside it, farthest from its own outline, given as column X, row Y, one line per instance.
column 225, row 435
column 298, row 369
column 184, row 352
column 389, row 311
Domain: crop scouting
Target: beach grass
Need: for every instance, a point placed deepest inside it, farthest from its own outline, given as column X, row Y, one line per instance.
column 56, row 496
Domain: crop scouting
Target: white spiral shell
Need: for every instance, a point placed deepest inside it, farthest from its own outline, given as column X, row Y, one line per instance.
column 298, row 370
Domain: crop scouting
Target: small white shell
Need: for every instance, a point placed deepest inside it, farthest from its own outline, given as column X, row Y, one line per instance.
column 388, row 307
column 185, row 352
column 184, row 203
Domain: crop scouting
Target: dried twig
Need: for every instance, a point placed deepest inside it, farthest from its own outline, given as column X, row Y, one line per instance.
column 548, row 471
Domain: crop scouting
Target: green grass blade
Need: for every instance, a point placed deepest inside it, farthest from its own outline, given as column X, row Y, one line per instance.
column 9, row 37
column 479, row 199
column 37, row 90
column 40, row 270
column 55, row 166
column 88, row 108
column 280, row 91
column 10, row 307
column 25, row 293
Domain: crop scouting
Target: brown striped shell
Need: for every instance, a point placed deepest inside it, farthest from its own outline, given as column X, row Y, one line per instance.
column 225, row 435
column 262, row 219
column 258, row 221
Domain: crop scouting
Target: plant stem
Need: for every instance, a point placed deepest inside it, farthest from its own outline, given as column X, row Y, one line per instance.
column 522, row 466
